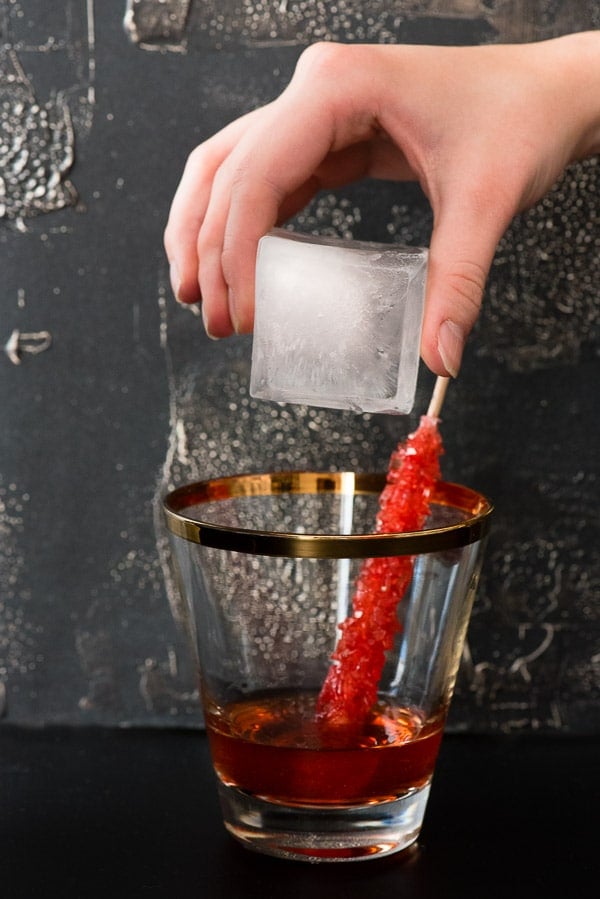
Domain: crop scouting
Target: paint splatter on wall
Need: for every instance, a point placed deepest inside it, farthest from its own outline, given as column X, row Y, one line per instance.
column 148, row 21
column 37, row 130
column 541, row 303
column 270, row 23
column 36, row 147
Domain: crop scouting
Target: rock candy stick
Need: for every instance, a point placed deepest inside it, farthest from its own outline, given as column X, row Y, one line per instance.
column 350, row 688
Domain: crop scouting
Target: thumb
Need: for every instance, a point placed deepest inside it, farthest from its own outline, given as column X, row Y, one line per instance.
column 462, row 248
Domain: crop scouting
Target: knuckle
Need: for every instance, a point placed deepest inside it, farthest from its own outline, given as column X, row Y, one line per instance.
column 196, row 158
column 228, row 262
column 323, row 60
column 171, row 236
column 167, row 240
column 466, row 281
column 201, row 163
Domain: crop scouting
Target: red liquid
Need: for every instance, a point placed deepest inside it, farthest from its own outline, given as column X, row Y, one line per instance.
column 273, row 747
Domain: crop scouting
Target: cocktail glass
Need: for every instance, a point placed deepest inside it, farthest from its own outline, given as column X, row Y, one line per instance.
column 267, row 564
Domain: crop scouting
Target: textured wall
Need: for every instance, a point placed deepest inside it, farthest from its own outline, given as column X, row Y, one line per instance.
column 110, row 393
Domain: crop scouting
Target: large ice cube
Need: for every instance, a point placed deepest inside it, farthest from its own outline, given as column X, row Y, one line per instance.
column 337, row 322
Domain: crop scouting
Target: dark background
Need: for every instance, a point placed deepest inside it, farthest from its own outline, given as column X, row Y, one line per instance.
column 110, row 393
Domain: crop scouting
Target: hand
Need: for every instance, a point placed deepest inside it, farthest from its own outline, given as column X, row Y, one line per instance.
column 485, row 130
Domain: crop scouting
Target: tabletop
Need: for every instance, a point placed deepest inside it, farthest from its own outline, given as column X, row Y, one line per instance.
column 91, row 812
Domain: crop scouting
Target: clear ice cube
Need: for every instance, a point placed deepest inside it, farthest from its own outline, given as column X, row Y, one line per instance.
column 337, row 322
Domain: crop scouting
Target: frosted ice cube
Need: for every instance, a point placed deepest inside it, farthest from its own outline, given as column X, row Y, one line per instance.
column 337, row 322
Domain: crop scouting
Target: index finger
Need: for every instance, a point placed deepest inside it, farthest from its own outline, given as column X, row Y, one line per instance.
column 275, row 160
column 189, row 205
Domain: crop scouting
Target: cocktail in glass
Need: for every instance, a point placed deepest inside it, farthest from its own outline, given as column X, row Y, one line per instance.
column 268, row 565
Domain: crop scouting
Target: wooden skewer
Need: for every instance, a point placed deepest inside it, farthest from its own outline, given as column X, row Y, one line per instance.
column 437, row 397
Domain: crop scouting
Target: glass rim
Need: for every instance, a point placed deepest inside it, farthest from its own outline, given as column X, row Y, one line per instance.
column 258, row 541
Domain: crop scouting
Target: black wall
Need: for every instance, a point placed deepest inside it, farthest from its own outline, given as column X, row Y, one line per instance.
column 110, row 393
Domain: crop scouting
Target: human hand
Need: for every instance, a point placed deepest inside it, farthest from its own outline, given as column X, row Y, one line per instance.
column 485, row 130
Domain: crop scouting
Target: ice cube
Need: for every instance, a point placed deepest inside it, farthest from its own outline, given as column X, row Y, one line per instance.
column 337, row 322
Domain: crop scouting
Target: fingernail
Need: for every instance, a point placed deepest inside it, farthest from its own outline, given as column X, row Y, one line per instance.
column 232, row 310
column 175, row 279
column 451, row 341
column 206, row 328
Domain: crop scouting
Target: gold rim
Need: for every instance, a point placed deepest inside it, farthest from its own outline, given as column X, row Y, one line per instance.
column 475, row 506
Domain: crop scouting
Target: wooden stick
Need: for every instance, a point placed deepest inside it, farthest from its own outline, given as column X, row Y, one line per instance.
column 437, row 397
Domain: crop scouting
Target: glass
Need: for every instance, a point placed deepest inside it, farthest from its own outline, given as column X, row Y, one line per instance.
column 337, row 322
column 268, row 564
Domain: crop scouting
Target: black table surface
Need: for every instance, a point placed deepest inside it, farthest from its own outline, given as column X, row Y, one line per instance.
column 102, row 812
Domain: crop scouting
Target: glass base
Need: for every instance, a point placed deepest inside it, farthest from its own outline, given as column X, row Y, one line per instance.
column 323, row 833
